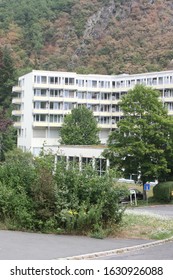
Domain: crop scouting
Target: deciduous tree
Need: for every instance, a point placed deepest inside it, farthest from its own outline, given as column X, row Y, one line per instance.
column 80, row 128
column 143, row 142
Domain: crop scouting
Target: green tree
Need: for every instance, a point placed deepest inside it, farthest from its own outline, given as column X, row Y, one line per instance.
column 80, row 128
column 7, row 76
column 7, row 134
column 143, row 142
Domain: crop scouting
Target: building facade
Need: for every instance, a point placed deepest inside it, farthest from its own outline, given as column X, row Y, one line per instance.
column 43, row 98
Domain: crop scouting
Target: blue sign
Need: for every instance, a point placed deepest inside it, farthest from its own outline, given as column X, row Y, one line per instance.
column 146, row 187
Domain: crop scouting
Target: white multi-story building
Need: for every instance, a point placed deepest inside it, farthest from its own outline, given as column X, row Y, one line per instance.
column 43, row 98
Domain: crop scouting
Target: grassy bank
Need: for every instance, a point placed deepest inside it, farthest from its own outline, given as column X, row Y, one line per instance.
column 144, row 226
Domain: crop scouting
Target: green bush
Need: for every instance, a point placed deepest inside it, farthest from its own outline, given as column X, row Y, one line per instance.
column 18, row 170
column 84, row 199
column 37, row 196
column 162, row 191
column 16, row 207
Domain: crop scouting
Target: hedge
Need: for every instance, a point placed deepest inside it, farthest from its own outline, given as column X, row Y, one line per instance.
column 162, row 191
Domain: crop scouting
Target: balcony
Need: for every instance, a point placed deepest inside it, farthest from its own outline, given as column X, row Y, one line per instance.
column 17, row 124
column 107, row 125
column 16, row 89
column 40, row 111
column 46, row 124
column 17, row 112
column 16, row 100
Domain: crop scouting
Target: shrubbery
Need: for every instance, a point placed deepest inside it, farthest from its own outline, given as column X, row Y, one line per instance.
column 37, row 196
column 162, row 191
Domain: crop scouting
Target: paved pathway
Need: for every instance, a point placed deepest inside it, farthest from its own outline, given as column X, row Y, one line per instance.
column 23, row 246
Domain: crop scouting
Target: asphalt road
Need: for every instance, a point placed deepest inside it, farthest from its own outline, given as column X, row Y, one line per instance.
column 34, row 246
column 160, row 252
column 165, row 211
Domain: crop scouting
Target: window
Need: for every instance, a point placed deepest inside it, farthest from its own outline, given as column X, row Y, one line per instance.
column 100, row 165
column 166, row 79
column 40, row 92
column 66, row 93
column 105, row 96
column 104, row 120
column 56, row 93
column 115, row 108
column 43, row 92
column 102, row 84
column 40, row 118
column 71, row 94
column 43, row 79
column 94, row 84
column 51, row 80
column 37, row 79
column 55, row 118
column 81, row 95
column 169, row 106
column 107, row 84
column 86, row 161
column 43, row 105
column 168, row 93
column 69, row 81
column 55, row 105
column 160, row 80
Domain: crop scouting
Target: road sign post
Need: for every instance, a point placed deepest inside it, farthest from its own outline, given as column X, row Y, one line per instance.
column 146, row 188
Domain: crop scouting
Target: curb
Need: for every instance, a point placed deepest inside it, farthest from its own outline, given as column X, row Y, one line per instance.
column 117, row 251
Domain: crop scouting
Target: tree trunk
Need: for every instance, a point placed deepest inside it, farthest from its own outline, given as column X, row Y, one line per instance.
column 144, row 193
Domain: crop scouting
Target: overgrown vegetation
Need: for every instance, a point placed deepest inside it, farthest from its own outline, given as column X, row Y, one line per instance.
column 163, row 192
column 34, row 195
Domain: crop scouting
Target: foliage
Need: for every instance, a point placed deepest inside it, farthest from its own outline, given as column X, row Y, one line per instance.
column 7, row 76
column 37, row 196
column 16, row 178
column 7, row 134
column 8, row 141
column 84, row 199
column 18, row 170
column 162, row 191
column 79, row 128
column 15, row 207
column 142, row 144
column 43, row 191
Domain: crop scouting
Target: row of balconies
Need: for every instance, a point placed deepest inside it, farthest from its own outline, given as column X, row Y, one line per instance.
column 120, row 88
column 65, row 112
column 48, row 124
column 78, row 101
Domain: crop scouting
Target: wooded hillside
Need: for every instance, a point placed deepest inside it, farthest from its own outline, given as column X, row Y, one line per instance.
column 87, row 36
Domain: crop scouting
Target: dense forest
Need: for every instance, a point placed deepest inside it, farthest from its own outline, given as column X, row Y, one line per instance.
column 93, row 36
